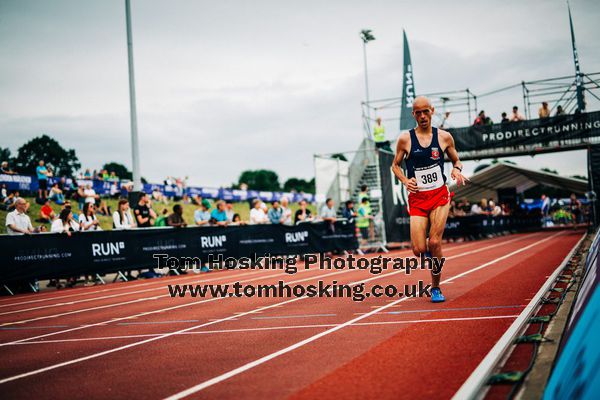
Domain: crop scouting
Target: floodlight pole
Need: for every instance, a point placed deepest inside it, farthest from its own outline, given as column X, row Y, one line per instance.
column 135, row 158
column 367, row 86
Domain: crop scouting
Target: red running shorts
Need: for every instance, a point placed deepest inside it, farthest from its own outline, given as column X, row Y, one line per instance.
column 420, row 204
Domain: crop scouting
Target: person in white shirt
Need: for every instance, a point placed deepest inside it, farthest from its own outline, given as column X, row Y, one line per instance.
column 122, row 218
column 481, row 208
column 88, row 220
column 64, row 223
column 90, row 194
column 17, row 222
column 494, row 209
column 328, row 212
column 286, row 213
column 257, row 214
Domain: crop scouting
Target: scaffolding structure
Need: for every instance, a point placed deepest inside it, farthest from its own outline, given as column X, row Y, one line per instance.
column 558, row 91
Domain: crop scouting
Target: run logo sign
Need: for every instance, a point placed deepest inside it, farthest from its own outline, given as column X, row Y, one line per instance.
column 107, row 249
column 295, row 237
column 212, row 241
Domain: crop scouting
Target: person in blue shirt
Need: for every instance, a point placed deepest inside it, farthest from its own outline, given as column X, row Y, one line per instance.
column 202, row 215
column 42, row 176
column 275, row 213
column 218, row 216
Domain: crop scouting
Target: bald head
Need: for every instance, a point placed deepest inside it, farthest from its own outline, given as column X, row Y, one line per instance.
column 422, row 112
column 422, row 102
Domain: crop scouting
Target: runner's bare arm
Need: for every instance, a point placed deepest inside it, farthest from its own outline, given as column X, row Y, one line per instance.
column 401, row 148
column 456, row 173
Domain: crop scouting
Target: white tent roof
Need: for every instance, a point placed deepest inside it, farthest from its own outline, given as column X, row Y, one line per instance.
column 486, row 182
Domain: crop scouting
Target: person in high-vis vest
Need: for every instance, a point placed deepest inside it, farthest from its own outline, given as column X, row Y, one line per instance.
column 379, row 136
column 363, row 220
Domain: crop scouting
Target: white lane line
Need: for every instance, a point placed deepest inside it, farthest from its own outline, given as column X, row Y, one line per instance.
column 296, row 316
column 86, row 291
column 273, row 328
column 102, row 353
column 262, row 360
column 167, row 308
column 68, row 303
column 132, row 301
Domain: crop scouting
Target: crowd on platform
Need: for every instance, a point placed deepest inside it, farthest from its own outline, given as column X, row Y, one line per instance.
column 543, row 113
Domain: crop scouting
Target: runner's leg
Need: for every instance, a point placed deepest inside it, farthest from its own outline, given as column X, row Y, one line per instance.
column 437, row 218
column 418, row 234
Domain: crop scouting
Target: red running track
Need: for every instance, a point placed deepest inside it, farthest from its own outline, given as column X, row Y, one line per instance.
column 132, row 340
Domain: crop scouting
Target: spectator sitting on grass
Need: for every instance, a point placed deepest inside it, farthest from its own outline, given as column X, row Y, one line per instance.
column 286, row 213
column 64, row 223
column 176, row 218
column 8, row 203
column 103, row 208
column 114, row 191
column 3, row 192
column 122, row 218
column 56, row 194
column 257, row 214
column 17, row 221
column 157, row 195
column 202, row 214
column 218, row 215
column 88, row 220
column 144, row 214
column 275, row 214
column 4, row 169
column 161, row 220
column 46, row 213
column 68, row 205
column 302, row 214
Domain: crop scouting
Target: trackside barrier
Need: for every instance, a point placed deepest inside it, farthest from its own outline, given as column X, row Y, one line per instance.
column 474, row 386
column 48, row 256
column 482, row 225
column 576, row 373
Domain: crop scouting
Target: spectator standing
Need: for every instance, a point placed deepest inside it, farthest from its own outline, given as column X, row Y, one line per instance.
column 218, row 216
column 516, row 115
column 17, row 221
column 275, row 213
column 90, row 194
column 559, row 111
column 328, row 213
column 286, row 213
column 229, row 210
column 481, row 208
column 379, row 135
column 494, row 209
column 482, row 119
column 364, row 192
column 202, row 214
column 88, row 220
column 144, row 214
column 303, row 214
column 42, row 176
column 504, row 120
column 122, row 218
column 257, row 214
column 349, row 213
column 544, row 111
column 575, row 208
column 363, row 221
column 176, row 218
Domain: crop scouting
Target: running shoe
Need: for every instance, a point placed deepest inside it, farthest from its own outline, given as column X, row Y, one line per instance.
column 204, row 269
column 437, row 296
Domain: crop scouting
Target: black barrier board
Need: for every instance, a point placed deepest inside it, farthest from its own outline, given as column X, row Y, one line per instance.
column 46, row 256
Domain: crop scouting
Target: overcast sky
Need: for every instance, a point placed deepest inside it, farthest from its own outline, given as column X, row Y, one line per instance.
column 224, row 86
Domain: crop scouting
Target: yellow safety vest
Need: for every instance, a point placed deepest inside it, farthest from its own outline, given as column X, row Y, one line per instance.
column 363, row 222
column 379, row 133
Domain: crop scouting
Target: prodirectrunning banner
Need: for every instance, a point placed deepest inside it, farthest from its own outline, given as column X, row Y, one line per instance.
column 531, row 132
column 397, row 220
column 46, row 256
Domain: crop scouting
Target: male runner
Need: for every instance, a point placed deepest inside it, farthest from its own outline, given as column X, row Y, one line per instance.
column 428, row 199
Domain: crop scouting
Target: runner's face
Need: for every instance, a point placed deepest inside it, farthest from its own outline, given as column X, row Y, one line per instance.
column 422, row 114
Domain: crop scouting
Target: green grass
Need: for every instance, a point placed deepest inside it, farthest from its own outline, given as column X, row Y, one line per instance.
column 241, row 208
